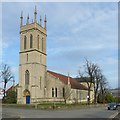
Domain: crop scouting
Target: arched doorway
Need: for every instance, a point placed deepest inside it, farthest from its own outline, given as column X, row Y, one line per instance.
column 26, row 94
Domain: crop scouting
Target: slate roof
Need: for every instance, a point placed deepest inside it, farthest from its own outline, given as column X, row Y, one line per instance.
column 74, row 83
column 83, row 79
column 12, row 87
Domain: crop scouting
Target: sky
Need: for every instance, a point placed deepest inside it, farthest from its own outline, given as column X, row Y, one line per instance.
column 75, row 31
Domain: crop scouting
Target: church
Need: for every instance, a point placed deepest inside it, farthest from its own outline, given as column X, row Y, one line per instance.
column 36, row 83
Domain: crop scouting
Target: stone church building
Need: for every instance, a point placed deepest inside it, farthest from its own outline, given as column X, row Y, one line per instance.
column 36, row 83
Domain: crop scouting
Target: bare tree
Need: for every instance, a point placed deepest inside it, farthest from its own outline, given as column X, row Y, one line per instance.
column 88, row 75
column 103, row 88
column 6, row 75
column 92, row 75
column 97, row 78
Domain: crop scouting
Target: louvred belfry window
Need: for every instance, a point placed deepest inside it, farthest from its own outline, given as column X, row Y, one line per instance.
column 25, row 42
column 38, row 41
column 31, row 41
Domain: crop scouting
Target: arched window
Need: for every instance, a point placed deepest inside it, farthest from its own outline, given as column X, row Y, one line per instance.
column 55, row 92
column 27, row 77
column 38, row 41
column 63, row 92
column 52, row 92
column 25, row 42
column 31, row 41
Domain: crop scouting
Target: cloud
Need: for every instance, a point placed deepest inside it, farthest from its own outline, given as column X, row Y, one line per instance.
column 91, row 30
column 112, row 61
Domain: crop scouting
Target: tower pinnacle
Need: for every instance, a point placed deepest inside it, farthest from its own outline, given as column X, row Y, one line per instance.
column 40, row 20
column 21, row 19
column 45, row 21
column 35, row 13
column 28, row 19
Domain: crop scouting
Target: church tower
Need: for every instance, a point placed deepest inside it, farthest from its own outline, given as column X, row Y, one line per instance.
column 32, row 66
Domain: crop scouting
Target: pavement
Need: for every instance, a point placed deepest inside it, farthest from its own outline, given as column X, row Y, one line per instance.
column 117, row 116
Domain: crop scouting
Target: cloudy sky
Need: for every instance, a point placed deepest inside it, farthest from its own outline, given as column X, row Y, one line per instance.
column 74, row 31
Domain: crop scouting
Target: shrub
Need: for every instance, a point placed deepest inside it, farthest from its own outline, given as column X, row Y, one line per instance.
column 109, row 98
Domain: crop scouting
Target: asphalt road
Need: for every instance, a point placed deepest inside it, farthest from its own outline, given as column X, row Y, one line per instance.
column 98, row 112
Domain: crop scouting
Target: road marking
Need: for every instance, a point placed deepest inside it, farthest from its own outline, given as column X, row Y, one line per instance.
column 113, row 115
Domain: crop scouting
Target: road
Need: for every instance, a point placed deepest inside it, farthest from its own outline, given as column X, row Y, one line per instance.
column 98, row 112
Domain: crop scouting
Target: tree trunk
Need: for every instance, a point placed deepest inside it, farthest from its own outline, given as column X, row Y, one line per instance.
column 65, row 101
column 95, row 97
column 88, row 99
column 4, row 89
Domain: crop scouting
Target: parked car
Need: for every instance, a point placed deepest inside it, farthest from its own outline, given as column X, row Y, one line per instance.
column 112, row 106
column 118, row 106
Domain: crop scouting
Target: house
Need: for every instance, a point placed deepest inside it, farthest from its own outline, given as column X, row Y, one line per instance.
column 116, row 93
column 1, row 93
column 85, row 81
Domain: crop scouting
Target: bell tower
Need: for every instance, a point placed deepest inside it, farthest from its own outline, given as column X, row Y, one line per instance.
column 32, row 66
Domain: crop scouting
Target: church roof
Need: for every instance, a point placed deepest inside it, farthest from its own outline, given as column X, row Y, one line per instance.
column 84, row 79
column 74, row 83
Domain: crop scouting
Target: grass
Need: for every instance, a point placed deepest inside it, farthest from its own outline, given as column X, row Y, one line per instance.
column 18, row 106
column 49, row 106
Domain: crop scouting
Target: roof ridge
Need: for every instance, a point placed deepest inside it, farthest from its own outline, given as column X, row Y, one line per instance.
column 59, row 73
